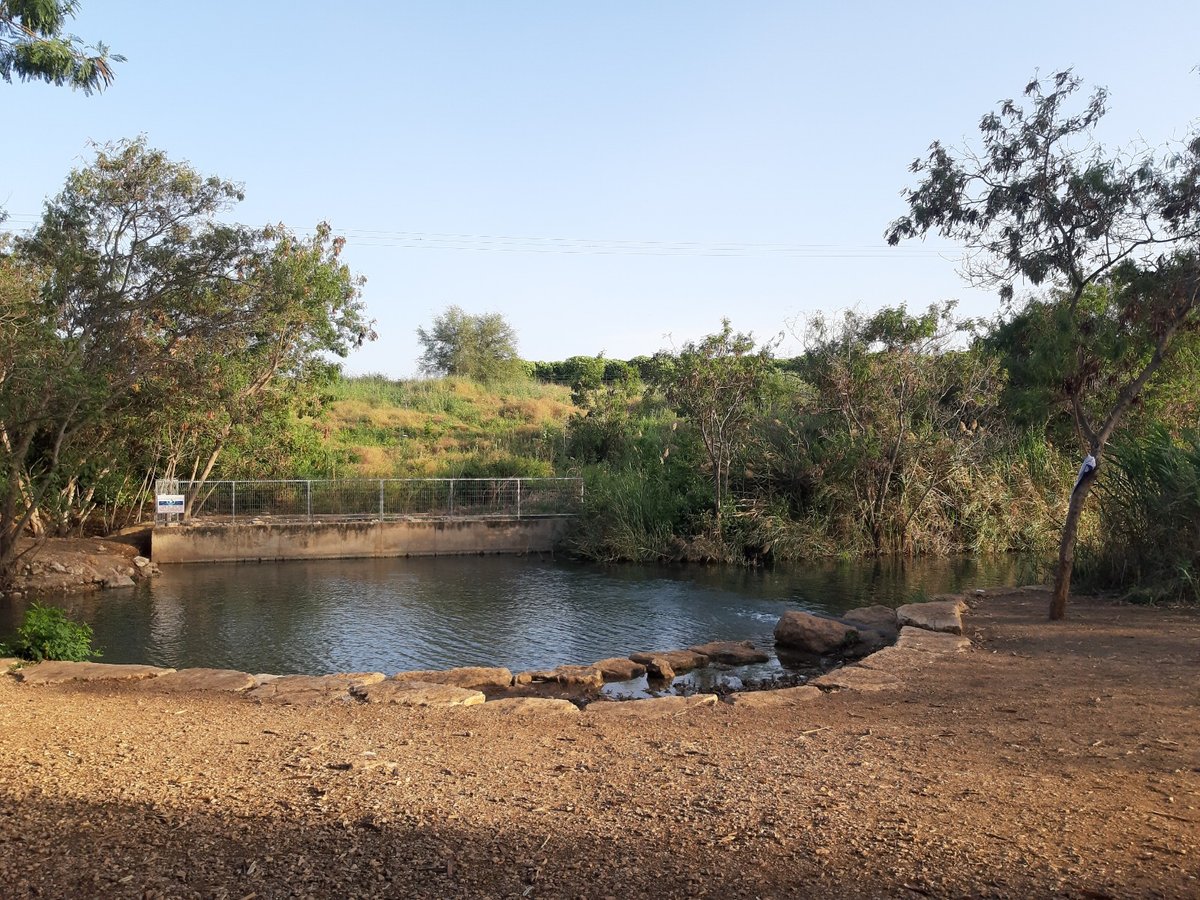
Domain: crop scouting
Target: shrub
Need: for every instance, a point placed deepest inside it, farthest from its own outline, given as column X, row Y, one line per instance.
column 47, row 633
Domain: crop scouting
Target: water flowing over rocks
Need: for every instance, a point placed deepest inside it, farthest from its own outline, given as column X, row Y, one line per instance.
column 813, row 634
column 464, row 676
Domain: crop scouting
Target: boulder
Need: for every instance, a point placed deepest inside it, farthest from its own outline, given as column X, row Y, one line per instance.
column 680, row 660
column 931, row 641
column 619, row 668
column 812, row 634
column 117, row 581
column 659, row 668
column 936, row 615
column 733, row 653
column 464, row 677
column 186, row 680
column 874, row 618
column 306, row 689
column 416, row 693
column 61, row 672
column 533, row 706
column 655, row 707
column 776, row 699
column 856, row 678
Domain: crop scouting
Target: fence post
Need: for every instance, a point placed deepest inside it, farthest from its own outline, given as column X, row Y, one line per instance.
column 380, row 499
column 233, row 502
column 451, row 505
column 518, row 498
column 308, row 489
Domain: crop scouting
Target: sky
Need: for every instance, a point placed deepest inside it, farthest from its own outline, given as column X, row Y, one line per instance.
column 612, row 178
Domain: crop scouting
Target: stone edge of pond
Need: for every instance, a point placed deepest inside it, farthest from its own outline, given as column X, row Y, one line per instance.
column 922, row 629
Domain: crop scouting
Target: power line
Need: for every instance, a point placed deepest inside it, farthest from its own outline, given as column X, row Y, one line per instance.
column 498, row 243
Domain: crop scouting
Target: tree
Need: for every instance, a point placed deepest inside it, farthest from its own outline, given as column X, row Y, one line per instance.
column 1041, row 201
column 142, row 331
column 718, row 383
column 34, row 47
column 483, row 347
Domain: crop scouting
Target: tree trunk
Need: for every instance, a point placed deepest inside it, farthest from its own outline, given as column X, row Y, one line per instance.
column 1066, row 545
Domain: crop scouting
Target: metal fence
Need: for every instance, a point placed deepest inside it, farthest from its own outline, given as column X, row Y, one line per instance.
column 385, row 499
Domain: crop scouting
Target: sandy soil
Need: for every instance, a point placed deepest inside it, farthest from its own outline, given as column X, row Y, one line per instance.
column 1053, row 759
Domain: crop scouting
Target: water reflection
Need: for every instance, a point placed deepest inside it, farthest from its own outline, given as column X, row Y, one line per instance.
column 520, row 612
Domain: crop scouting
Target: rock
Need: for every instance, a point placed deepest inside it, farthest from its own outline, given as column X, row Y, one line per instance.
column 141, row 562
column 306, row 689
column 733, row 653
column 416, row 693
column 520, row 706
column 117, row 581
column 186, row 680
column 893, row 659
column 569, row 676
column 660, row 668
column 464, row 677
column 657, row 706
column 931, row 641
column 936, row 615
column 619, row 668
column 783, row 697
column 61, row 672
column 855, row 678
column 874, row 618
column 680, row 660
column 55, row 566
column 812, row 634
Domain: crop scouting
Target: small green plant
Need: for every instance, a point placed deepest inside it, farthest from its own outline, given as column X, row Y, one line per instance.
column 47, row 633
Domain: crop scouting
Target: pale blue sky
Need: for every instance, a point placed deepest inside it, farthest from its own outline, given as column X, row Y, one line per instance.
column 748, row 154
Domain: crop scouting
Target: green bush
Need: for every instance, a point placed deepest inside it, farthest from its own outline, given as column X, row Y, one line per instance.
column 47, row 633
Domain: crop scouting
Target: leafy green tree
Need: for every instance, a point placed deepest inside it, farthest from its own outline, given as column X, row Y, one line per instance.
column 717, row 384
column 33, row 46
column 1042, row 202
column 483, row 347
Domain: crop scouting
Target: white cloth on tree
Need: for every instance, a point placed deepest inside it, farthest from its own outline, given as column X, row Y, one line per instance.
column 1089, row 463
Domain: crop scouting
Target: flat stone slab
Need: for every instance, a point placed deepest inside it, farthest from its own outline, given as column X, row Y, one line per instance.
column 777, row 699
column 656, row 706
column 569, row 676
column 303, row 689
column 733, row 653
column 855, row 678
column 186, row 680
column 931, row 641
column 416, row 693
column 62, row 672
column 937, row 615
column 532, row 706
column 464, row 677
column 894, row 660
column 619, row 668
column 679, row 660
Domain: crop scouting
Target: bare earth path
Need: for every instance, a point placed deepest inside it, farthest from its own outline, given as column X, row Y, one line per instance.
column 1055, row 759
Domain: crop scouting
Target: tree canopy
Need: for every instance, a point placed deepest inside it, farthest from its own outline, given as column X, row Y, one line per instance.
column 1114, row 235
column 34, row 47
column 483, row 347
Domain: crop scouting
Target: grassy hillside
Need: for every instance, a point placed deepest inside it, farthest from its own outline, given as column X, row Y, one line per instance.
column 445, row 427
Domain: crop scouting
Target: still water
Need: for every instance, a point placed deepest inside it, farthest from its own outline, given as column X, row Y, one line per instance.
column 389, row 615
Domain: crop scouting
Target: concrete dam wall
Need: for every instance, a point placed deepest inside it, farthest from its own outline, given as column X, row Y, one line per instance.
column 261, row 541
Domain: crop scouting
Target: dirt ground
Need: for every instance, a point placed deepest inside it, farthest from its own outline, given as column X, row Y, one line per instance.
column 1053, row 759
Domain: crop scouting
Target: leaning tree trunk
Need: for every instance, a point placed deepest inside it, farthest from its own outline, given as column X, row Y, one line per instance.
column 1066, row 545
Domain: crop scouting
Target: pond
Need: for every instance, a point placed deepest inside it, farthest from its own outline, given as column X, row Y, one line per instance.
column 389, row 615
